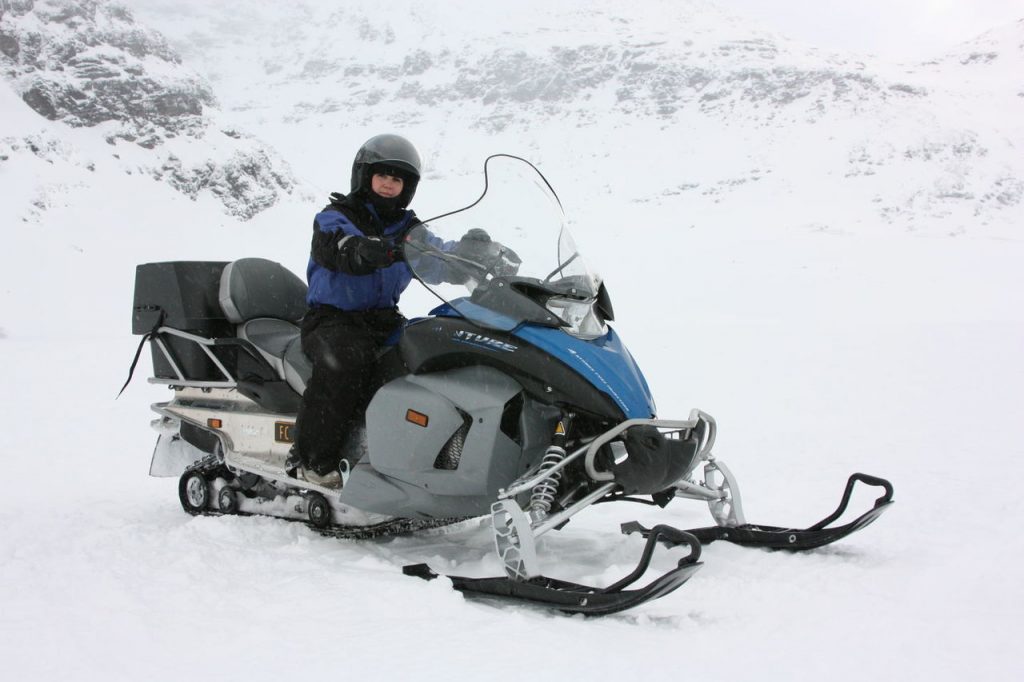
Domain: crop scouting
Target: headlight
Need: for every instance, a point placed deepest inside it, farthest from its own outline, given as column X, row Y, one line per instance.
column 580, row 316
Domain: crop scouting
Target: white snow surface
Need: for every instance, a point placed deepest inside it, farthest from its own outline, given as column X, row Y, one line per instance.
column 755, row 272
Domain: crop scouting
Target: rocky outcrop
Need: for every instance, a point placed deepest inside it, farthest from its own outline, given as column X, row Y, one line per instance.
column 246, row 183
column 87, row 63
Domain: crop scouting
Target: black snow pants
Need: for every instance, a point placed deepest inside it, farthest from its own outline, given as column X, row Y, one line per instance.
column 343, row 347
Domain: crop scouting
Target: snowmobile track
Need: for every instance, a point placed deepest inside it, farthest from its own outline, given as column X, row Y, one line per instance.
column 212, row 466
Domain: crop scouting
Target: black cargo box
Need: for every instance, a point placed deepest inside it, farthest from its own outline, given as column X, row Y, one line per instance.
column 183, row 295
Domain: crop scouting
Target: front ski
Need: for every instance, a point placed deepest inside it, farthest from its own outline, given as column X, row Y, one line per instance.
column 775, row 537
column 571, row 597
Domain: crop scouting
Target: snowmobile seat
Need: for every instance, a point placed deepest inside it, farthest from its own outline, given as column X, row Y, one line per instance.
column 266, row 301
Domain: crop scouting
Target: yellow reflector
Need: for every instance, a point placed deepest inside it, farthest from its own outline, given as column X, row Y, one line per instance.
column 214, row 423
column 417, row 418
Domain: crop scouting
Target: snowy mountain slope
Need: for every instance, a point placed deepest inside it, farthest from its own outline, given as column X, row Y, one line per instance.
column 88, row 64
column 739, row 115
column 823, row 338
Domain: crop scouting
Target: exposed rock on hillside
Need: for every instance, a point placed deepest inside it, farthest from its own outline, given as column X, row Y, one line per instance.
column 86, row 63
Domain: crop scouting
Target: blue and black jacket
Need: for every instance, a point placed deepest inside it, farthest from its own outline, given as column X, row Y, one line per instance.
column 336, row 275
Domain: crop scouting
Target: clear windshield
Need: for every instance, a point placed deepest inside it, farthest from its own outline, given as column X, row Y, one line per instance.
column 509, row 258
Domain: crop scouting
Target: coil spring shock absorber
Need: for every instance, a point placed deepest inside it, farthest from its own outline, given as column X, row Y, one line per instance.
column 543, row 494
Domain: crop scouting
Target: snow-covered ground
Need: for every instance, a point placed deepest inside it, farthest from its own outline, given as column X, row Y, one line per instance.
column 826, row 337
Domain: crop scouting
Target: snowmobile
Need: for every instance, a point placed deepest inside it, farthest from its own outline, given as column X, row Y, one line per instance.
column 514, row 399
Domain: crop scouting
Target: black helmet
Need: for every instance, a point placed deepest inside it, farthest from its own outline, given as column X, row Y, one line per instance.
column 393, row 151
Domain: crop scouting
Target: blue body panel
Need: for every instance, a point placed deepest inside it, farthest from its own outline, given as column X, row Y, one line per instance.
column 604, row 363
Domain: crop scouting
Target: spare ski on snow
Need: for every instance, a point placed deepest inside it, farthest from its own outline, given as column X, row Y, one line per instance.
column 775, row 537
column 574, row 598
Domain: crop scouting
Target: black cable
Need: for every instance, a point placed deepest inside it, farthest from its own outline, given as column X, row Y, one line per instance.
column 487, row 183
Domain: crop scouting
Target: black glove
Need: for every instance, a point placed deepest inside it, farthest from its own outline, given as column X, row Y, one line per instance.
column 398, row 250
column 476, row 246
column 508, row 262
column 373, row 253
column 494, row 257
column 476, row 234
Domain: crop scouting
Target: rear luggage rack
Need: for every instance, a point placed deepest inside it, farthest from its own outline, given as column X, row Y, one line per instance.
column 205, row 345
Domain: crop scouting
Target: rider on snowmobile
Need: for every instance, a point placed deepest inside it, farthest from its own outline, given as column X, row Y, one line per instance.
column 356, row 274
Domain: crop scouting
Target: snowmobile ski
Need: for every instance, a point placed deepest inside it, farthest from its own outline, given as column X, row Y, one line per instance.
column 574, row 598
column 775, row 537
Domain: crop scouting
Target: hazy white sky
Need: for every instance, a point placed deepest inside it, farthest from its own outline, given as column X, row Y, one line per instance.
column 902, row 29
